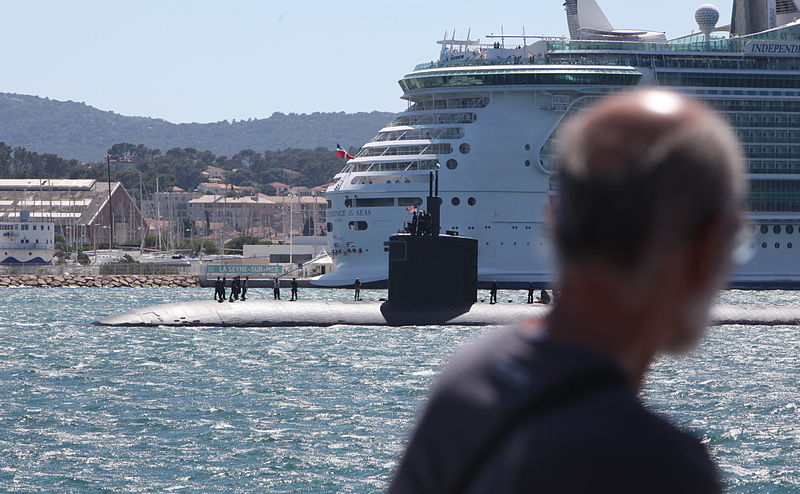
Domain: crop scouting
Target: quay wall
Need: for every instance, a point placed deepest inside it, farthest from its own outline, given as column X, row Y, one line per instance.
column 111, row 281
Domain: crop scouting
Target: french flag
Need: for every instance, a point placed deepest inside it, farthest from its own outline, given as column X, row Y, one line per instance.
column 342, row 153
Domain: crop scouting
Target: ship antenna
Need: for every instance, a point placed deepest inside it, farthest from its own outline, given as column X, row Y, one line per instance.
column 503, row 35
column 524, row 38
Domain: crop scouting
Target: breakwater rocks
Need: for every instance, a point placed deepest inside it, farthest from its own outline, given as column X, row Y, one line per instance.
column 112, row 281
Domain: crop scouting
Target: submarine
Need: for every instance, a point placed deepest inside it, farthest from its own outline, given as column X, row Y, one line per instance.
column 433, row 281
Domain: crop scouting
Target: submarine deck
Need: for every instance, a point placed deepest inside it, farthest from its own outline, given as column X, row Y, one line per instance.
column 330, row 313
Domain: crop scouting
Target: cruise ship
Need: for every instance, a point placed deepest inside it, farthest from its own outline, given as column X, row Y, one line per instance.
column 26, row 242
column 486, row 115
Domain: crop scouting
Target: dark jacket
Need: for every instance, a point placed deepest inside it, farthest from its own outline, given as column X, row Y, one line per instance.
column 513, row 415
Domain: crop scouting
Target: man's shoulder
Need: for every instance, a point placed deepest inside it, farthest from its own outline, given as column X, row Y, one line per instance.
column 532, row 406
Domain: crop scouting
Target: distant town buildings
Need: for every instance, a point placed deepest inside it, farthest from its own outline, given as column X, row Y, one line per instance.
column 215, row 212
column 262, row 216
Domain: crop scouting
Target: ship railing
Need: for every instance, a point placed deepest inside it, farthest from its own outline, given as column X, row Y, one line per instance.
column 479, row 62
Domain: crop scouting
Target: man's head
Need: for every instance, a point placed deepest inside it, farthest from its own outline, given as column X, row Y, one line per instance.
column 651, row 195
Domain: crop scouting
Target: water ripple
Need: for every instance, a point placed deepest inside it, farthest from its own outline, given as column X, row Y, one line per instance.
column 90, row 409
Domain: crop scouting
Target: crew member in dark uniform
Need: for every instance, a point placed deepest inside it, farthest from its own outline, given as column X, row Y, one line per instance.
column 217, row 289
column 493, row 293
column 276, row 289
column 235, row 287
column 651, row 200
column 294, row 289
column 544, row 297
column 244, row 288
column 357, row 286
column 222, row 290
column 530, row 292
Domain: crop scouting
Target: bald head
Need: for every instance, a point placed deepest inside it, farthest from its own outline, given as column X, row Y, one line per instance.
column 644, row 171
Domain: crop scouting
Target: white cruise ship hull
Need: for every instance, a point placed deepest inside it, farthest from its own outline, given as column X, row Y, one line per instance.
column 490, row 130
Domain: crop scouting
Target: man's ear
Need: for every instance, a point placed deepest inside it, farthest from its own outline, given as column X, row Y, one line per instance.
column 709, row 254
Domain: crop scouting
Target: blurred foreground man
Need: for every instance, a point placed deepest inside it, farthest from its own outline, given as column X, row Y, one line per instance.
column 651, row 202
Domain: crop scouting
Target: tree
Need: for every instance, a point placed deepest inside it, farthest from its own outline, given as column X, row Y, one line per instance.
column 196, row 247
column 237, row 243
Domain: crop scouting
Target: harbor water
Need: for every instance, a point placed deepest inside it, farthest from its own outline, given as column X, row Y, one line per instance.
column 98, row 409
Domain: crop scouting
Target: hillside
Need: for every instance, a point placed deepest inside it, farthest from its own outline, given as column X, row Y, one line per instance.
column 79, row 131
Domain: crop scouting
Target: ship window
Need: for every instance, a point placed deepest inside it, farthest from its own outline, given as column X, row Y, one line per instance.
column 777, row 245
column 34, row 227
column 328, row 203
column 455, row 201
column 374, row 202
column 527, row 162
column 471, row 201
column 409, row 201
column 764, row 229
column 789, row 229
column 330, row 227
column 789, row 245
column 452, row 164
column 357, row 225
column 527, row 147
column 763, row 245
column 776, row 229
column 464, row 148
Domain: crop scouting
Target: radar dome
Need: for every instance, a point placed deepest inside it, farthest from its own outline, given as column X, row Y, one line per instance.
column 707, row 17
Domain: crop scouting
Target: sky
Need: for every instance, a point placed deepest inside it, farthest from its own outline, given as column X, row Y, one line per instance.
column 206, row 61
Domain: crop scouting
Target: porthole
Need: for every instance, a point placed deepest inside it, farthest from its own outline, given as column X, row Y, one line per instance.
column 471, row 201
column 527, row 162
column 789, row 229
column 357, row 225
column 776, row 229
column 789, row 245
column 527, row 147
column 455, row 201
column 763, row 245
column 777, row 245
column 452, row 164
column 464, row 148
column 764, row 229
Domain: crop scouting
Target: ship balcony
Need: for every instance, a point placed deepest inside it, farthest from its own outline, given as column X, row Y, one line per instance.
column 18, row 246
column 393, row 163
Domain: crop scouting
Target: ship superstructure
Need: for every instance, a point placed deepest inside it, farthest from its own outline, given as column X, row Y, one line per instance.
column 486, row 115
column 26, row 242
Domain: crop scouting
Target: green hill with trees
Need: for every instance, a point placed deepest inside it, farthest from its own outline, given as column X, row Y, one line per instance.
column 76, row 130
column 180, row 167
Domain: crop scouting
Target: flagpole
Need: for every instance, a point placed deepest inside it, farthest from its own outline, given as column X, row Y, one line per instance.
column 110, row 209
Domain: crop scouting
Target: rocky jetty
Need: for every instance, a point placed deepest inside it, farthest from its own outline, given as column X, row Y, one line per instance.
column 113, row 281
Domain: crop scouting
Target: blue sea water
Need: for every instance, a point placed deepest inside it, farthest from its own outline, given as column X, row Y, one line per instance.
column 91, row 409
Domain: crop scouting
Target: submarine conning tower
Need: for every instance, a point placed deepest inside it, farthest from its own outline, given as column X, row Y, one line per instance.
column 426, row 267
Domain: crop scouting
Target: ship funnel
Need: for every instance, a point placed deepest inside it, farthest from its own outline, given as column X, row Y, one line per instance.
column 585, row 14
column 753, row 16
